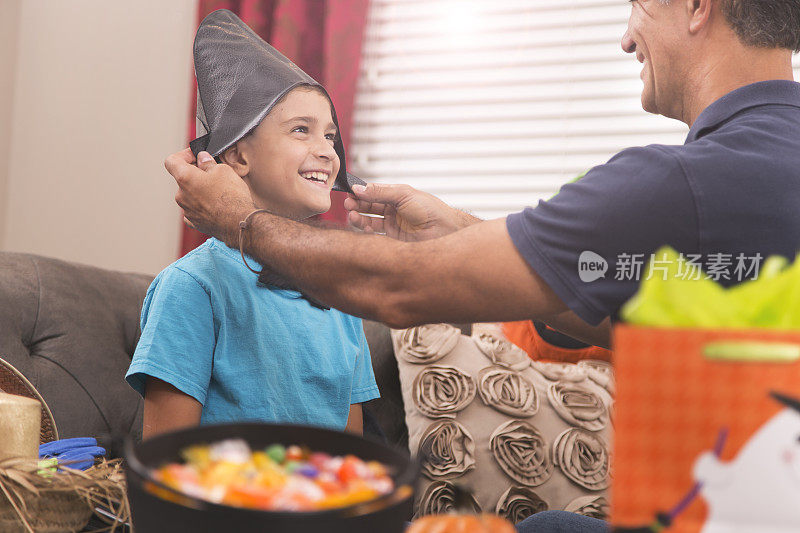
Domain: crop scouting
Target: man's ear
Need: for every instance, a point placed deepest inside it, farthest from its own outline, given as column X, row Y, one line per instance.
column 236, row 157
column 699, row 14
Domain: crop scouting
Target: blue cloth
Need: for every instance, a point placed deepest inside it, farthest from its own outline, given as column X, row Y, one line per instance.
column 55, row 447
column 80, row 458
column 732, row 189
column 76, row 453
column 247, row 351
column 561, row 522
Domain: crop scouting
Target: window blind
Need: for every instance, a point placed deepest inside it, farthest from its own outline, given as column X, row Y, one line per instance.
column 494, row 105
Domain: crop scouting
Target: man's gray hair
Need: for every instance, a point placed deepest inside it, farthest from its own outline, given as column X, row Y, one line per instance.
column 765, row 23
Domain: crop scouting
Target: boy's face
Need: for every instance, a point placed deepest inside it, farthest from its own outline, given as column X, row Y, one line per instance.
column 288, row 161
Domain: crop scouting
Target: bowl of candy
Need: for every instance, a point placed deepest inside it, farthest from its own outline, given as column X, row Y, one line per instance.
column 268, row 477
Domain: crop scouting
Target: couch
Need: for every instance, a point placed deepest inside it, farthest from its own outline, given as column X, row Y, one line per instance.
column 71, row 329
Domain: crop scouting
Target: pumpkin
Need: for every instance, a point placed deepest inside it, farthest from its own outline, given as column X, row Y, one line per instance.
column 461, row 523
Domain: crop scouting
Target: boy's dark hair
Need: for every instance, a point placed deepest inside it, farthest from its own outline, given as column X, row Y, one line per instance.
column 303, row 87
column 765, row 23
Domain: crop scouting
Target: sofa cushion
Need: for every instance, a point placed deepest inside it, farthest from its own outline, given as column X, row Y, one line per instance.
column 387, row 411
column 71, row 330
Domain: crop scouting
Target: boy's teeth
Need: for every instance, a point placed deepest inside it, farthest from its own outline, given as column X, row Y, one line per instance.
column 316, row 176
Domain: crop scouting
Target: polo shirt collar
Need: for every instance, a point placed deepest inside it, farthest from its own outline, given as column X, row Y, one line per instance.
column 781, row 92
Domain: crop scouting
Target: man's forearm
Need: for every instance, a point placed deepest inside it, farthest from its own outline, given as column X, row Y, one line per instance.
column 464, row 219
column 473, row 275
column 456, row 220
column 353, row 272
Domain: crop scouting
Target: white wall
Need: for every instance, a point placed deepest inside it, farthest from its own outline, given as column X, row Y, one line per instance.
column 9, row 20
column 100, row 96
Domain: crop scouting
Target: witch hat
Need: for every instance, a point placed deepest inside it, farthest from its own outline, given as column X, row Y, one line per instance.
column 240, row 77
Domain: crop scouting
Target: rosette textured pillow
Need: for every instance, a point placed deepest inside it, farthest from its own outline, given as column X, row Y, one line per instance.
column 521, row 437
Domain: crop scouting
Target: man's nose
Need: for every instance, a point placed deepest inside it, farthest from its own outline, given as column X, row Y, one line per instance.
column 628, row 46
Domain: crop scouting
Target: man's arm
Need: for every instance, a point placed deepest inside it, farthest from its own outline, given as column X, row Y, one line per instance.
column 407, row 214
column 472, row 275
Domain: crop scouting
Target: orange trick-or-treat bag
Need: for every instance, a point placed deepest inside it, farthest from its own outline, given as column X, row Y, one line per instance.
column 677, row 402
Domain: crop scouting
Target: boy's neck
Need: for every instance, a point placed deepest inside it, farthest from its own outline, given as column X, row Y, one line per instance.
column 280, row 211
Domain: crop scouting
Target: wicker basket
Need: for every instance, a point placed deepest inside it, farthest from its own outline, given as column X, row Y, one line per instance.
column 64, row 502
column 53, row 511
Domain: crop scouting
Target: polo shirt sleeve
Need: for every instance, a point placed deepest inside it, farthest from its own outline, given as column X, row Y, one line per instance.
column 364, row 386
column 177, row 341
column 622, row 211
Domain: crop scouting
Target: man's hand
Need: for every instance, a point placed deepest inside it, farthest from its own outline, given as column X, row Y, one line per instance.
column 403, row 213
column 213, row 197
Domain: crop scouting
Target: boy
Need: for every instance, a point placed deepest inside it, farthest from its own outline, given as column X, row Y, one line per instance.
column 215, row 345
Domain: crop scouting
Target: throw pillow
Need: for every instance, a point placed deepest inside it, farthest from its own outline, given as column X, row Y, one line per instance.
column 520, row 436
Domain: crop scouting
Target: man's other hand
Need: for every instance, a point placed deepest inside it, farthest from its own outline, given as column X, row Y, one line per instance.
column 403, row 213
column 213, row 197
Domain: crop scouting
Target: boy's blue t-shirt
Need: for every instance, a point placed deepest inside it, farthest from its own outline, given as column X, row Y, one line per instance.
column 246, row 351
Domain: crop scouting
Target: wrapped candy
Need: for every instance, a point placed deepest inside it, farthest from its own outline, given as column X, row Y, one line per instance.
column 275, row 478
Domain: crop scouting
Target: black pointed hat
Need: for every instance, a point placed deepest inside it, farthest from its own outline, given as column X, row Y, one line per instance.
column 240, row 77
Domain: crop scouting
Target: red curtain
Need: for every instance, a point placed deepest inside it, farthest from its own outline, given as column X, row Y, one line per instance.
column 323, row 37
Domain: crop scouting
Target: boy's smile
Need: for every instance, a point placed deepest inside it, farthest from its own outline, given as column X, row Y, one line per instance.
column 289, row 161
column 317, row 177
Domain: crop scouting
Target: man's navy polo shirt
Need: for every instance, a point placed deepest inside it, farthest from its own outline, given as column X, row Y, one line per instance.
column 732, row 191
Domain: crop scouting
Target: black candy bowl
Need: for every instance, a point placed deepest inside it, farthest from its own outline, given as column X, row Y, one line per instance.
column 157, row 508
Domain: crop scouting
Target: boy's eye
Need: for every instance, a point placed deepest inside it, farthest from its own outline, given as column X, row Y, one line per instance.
column 330, row 136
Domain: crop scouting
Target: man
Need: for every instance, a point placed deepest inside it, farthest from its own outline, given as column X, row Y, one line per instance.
column 721, row 66
column 730, row 192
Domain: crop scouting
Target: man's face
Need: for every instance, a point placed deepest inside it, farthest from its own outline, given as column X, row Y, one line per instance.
column 655, row 33
column 293, row 164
